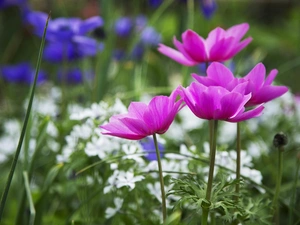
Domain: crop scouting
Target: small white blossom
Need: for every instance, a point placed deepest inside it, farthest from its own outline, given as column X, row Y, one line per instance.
column 110, row 212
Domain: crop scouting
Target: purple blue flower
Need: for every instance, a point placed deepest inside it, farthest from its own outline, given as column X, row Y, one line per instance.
column 123, row 26
column 74, row 76
column 208, row 7
column 149, row 147
column 21, row 73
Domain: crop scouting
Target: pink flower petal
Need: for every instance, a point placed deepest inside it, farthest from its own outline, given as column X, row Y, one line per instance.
column 213, row 37
column 205, row 80
column 194, row 46
column 220, row 74
column 271, row 77
column 238, row 48
column 267, row 93
column 175, row 55
column 248, row 114
column 237, row 31
column 220, row 50
column 231, row 105
column 256, row 77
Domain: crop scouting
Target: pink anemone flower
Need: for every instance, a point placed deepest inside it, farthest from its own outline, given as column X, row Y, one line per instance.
column 259, row 86
column 143, row 120
column 218, row 103
column 220, row 45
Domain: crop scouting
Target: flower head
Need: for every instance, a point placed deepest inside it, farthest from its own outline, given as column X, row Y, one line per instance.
column 261, row 89
column 148, row 146
column 21, row 73
column 208, row 7
column 123, row 26
column 220, row 45
column 62, row 29
column 143, row 120
column 218, row 103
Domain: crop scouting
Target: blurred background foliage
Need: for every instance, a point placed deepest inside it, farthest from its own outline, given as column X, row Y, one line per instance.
column 274, row 26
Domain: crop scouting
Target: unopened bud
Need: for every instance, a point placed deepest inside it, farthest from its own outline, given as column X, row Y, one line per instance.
column 280, row 140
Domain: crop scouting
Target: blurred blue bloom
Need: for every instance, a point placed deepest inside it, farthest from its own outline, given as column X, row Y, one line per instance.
column 137, row 52
column 140, row 22
column 148, row 146
column 66, row 37
column 8, row 3
column 208, row 7
column 150, row 37
column 123, row 26
column 67, row 51
column 154, row 3
column 21, row 73
column 62, row 29
column 74, row 76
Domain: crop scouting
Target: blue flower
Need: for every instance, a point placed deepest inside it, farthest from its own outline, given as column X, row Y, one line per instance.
column 123, row 26
column 150, row 37
column 208, row 7
column 149, row 147
column 154, row 3
column 74, row 76
column 66, row 37
column 21, row 73
column 81, row 47
column 62, row 29
column 8, row 3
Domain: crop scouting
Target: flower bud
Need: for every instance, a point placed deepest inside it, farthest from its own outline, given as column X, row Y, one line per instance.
column 280, row 140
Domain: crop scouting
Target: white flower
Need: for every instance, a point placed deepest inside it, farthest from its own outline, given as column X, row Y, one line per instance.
column 110, row 212
column 101, row 146
column 127, row 179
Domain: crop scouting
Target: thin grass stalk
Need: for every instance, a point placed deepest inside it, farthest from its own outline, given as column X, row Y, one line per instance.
column 29, row 197
column 278, row 182
column 17, row 153
column 190, row 13
column 294, row 189
column 213, row 125
column 161, row 180
column 238, row 160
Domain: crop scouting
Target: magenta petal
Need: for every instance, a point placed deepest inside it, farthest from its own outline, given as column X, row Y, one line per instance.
column 181, row 48
column 220, row 74
column 194, row 46
column 156, row 113
column 237, row 31
column 136, row 126
column 220, row 50
column 213, row 37
column 248, row 114
column 175, row 55
column 204, row 80
column 267, row 93
column 118, row 129
column 257, row 76
column 136, row 110
column 238, row 47
column 271, row 77
column 231, row 105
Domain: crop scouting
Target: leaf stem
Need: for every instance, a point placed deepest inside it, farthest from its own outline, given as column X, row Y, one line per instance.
column 17, row 153
column 213, row 125
column 278, row 183
column 161, row 180
column 238, row 160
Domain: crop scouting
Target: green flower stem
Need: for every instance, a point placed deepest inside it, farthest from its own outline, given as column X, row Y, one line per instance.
column 17, row 153
column 213, row 125
column 190, row 8
column 293, row 200
column 161, row 180
column 279, row 177
column 238, row 159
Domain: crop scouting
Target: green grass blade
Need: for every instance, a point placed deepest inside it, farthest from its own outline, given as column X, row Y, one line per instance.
column 28, row 192
column 17, row 153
